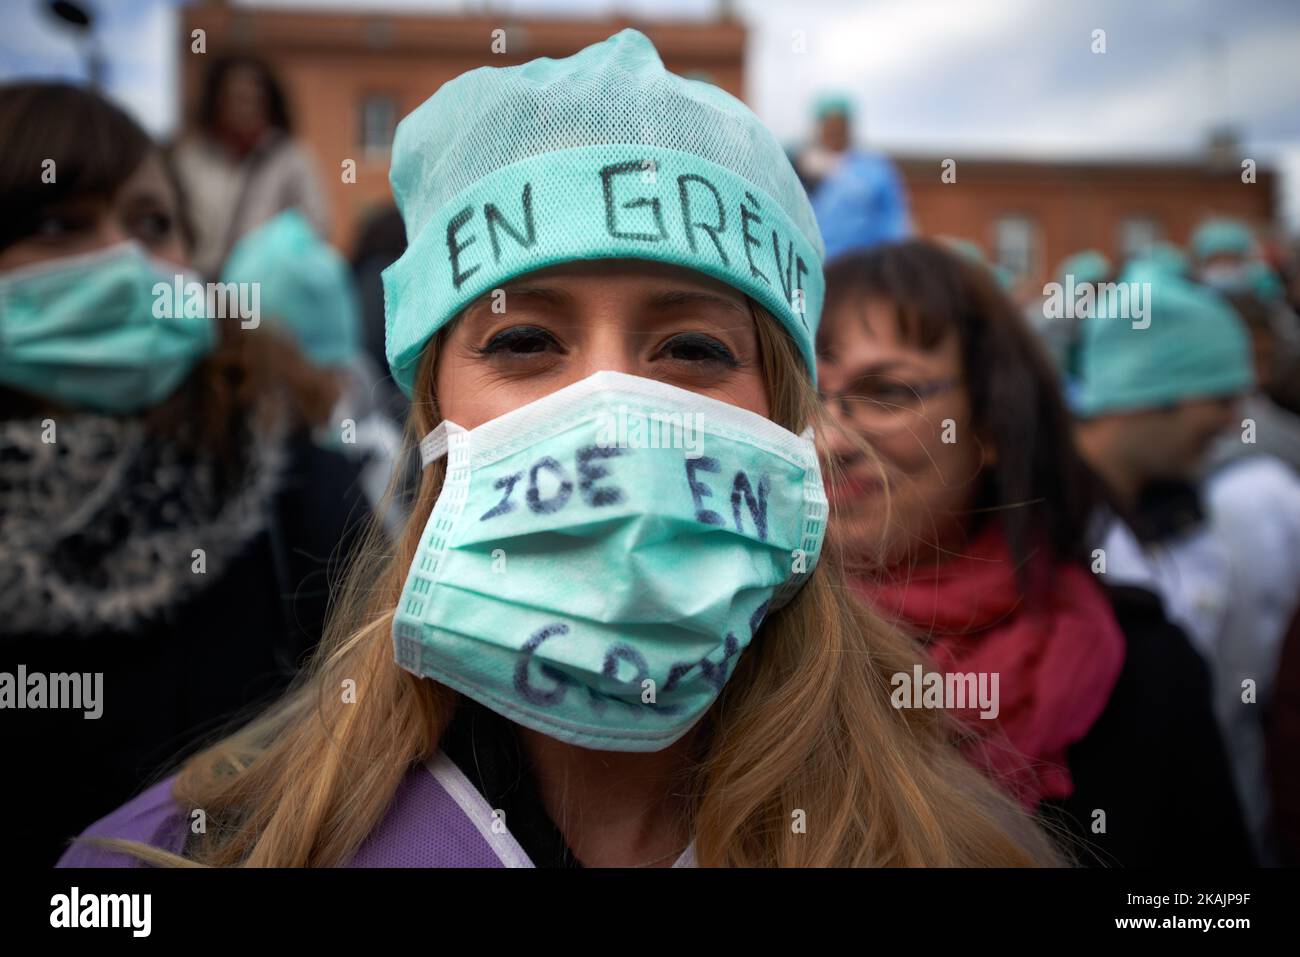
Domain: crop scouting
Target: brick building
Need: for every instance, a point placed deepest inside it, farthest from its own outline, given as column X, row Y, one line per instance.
column 1028, row 216
column 350, row 77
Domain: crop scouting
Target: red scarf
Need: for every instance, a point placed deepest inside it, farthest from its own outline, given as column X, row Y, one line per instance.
column 1058, row 654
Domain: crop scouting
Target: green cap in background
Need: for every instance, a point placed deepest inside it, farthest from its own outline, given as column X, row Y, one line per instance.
column 833, row 102
column 1218, row 237
column 306, row 287
column 1166, row 257
column 1192, row 346
column 1088, row 265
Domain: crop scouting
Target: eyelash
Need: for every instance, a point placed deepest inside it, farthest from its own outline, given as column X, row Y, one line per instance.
column 65, row 225
column 717, row 351
column 506, row 342
column 156, row 225
column 511, row 338
column 149, row 227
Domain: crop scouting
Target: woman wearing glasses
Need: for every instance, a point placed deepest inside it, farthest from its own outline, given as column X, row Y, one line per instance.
column 970, row 525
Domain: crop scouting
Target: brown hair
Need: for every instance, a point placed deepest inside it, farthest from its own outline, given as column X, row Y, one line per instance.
column 94, row 145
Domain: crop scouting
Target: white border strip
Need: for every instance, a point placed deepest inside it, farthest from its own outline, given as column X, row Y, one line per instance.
column 688, row 857
column 506, row 848
column 454, row 782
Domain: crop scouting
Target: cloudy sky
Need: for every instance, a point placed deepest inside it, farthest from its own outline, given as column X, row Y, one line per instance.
column 957, row 77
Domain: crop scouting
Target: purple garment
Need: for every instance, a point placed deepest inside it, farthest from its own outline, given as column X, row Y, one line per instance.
column 436, row 819
column 152, row 818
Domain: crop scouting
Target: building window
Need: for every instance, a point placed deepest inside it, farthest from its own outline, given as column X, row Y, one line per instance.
column 378, row 122
column 1014, row 246
column 1136, row 234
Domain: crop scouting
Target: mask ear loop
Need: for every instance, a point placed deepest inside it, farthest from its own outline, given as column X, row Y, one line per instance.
column 437, row 443
column 433, row 446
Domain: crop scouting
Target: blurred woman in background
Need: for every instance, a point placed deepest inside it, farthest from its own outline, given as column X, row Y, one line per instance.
column 969, row 525
column 240, row 165
column 165, row 520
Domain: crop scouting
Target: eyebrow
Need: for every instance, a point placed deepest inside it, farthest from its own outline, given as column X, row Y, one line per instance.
column 675, row 298
column 538, row 295
column 549, row 294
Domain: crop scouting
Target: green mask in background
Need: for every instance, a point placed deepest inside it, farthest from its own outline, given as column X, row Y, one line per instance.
column 92, row 330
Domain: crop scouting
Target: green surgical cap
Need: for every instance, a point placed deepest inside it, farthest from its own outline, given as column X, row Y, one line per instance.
column 1264, row 283
column 829, row 103
column 1089, row 265
column 1193, row 345
column 1167, row 258
column 600, row 155
column 305, row 287
column 970, row 251
column 1219, row 237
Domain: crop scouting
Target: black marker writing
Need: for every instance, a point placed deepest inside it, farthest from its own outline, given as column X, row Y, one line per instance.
column 607, row 175
column 555, row 502
column 494, row 217
column 588, row 473
column 691, row 225
column 562, row 681
column 506, row 482
column 700, row 491
column 741, row 489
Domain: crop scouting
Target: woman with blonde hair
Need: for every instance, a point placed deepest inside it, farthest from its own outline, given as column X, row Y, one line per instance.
column 620, row 638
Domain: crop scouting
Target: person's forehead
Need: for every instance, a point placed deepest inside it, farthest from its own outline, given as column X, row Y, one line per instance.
column 635, row 284
column 869, row 330
column 150, row 177
column 244, row 73
column 639, row 287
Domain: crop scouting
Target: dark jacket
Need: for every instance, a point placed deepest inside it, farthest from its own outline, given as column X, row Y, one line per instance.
column 1284, row 747
column 1154, row 762
column 98, row 573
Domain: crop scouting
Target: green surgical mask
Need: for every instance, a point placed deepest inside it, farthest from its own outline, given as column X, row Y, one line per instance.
column 598, row 560
column 93, row 330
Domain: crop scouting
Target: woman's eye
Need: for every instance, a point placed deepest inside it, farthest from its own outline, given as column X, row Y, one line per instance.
column 693, row 347
column 895, row 392
column 875, row 390
column 56, row 226
column 152, row 227
column 523, row 340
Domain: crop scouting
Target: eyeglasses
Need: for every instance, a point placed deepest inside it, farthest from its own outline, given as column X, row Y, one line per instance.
column 882, row 403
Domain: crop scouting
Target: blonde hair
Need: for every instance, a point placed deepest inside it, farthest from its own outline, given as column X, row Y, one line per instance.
column 804, row 724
